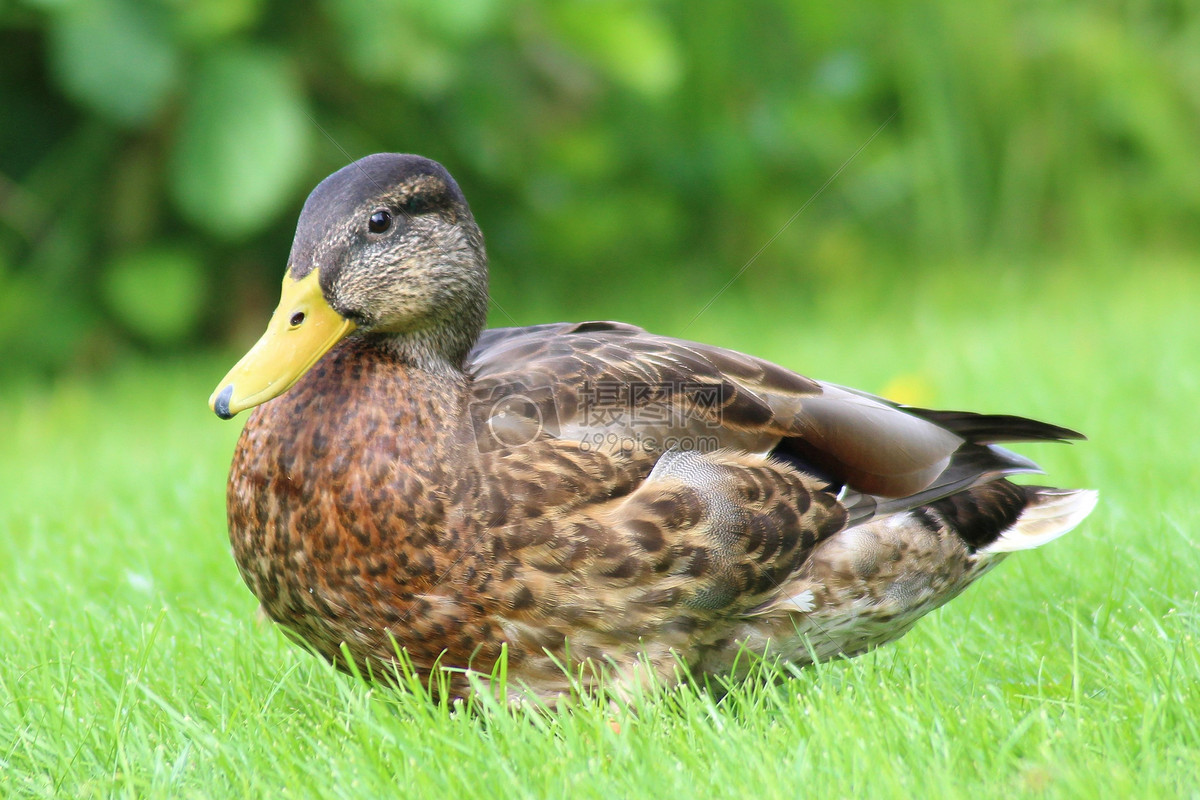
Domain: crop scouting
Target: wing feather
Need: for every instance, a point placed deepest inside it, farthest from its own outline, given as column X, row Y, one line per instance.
column 616, row 384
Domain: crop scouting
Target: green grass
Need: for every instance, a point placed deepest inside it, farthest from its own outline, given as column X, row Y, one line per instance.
column 132, row 665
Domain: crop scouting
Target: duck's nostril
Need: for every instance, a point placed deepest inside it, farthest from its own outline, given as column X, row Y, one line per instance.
column 297, row 318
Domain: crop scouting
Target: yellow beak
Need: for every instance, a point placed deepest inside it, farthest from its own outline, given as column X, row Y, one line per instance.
column 302, row 329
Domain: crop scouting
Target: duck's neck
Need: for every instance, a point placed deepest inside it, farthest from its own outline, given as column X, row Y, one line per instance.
column 439, row 347
column 424, row 351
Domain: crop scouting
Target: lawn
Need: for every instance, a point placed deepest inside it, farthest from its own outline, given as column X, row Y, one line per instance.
column 132, row 663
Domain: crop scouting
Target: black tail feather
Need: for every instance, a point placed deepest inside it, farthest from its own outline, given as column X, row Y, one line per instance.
column 993, row 428
column 980, row 514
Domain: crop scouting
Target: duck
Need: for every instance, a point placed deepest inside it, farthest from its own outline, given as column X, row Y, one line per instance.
column 571, row 506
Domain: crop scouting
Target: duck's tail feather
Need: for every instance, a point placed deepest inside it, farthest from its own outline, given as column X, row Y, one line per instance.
column 1049, row 514
column 993, row 428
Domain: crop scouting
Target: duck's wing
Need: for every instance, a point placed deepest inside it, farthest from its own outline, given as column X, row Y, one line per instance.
column 607, row 384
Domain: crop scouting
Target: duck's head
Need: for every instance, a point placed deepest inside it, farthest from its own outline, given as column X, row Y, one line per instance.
column 384, row 246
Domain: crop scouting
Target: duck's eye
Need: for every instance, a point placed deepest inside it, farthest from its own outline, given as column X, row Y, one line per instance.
column 297, row 318
column 379, row 222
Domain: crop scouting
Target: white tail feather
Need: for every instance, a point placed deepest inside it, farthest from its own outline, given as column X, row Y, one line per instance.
column 1055, row 512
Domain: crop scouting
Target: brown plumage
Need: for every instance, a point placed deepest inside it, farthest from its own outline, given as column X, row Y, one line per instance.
column 581, row 494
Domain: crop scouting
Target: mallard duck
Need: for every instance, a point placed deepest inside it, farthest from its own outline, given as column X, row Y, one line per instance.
column 581, row 499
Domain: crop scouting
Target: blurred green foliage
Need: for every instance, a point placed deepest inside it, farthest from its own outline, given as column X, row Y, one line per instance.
column 154, row 153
